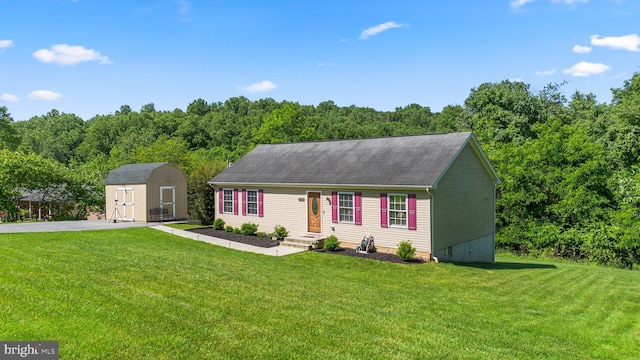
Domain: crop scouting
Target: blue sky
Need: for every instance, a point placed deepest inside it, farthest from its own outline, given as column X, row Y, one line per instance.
column 89, row 57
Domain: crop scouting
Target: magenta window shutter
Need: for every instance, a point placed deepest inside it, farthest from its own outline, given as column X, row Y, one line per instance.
column 384, row 219
column 260, row 201
column 221, row 201
column 235, row 201
column 244, row 202
column 358, row 208
column 412, row 211
column 334, row 207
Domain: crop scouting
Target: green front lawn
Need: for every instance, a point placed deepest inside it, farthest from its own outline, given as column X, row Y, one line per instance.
column 144, row 294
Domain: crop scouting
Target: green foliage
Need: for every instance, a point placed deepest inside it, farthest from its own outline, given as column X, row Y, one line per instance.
column 570, row 170
column 331, row 243
column 280, row 232
column 237, row 231
column 405, row 250
column 9, row 140
column 218, row 224
column 261, row 234
column 249, row 228
column 228, row 228
column 201, row 200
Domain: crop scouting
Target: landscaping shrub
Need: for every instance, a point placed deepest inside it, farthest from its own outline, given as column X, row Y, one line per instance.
column 331, row 243
column 228, row 228
column 405, row 250
column 280, row 232
column 218, row 224
column 237, row 231
column 249, row 228
column 261, row 234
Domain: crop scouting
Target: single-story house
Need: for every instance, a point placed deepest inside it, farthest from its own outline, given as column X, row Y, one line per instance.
column 437, row 191
column 146, row 192
column 44, row 203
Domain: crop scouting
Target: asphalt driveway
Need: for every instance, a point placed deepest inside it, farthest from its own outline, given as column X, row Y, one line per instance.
column 51, row 226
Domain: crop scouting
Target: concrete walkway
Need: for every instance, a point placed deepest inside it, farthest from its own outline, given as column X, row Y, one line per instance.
column 273, row 251
column 81, row 225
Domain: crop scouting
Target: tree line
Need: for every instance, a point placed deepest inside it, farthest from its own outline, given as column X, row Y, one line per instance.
column 570, row 167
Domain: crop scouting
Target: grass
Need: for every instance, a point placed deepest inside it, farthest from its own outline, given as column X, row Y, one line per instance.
column 185, row 226
column 141, row 293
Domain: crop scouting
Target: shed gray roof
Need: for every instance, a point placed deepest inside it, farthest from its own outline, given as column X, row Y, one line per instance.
column 132, row 173
column 392, row 161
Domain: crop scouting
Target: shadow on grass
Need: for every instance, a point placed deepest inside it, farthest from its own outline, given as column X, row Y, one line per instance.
column 506, row 266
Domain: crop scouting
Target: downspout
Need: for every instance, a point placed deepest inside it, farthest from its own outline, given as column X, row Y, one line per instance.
column 494, row 225
column 429, row 191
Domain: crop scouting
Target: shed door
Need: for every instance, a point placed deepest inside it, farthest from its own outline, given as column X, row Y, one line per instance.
column 124, row 209
column 167, row 202
column 314, row 211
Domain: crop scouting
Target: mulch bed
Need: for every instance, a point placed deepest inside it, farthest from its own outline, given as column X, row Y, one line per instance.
column 380, row 256
column 267, row 243
column 254, row 240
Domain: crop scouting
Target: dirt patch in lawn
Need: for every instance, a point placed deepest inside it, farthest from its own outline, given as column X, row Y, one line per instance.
column 380, row 256
column 254, row 240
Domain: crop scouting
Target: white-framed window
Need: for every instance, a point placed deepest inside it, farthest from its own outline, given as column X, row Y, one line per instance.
column 398, row 210
column 228, row 201
column 345, row 207
column 252, row 202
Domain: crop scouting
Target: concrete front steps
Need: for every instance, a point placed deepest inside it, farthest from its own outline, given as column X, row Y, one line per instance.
column 304, row 241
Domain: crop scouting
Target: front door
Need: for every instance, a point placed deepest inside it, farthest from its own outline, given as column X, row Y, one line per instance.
column 313, row 209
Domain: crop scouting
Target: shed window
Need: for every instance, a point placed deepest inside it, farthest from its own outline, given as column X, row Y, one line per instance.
column 252, row 202
column 345, row 207
column 228, row 200
column 398, row 210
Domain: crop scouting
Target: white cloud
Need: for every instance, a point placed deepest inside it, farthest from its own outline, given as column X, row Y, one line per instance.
column 571, row 1
column 581, row 49
column 584, row 69
column 44, row 95
column 184, row 6
column 546, row 72
column 5, row 44
column 261, row 86
column 64, row 54
column 8, row 98
column 517, row 4
column 375, row 30
column 627, row 42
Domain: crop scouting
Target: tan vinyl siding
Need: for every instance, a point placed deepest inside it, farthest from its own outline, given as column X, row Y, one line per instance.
column 463, row 202
column 288, row 207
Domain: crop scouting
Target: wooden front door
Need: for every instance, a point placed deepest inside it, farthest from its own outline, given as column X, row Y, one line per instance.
column 314, row 211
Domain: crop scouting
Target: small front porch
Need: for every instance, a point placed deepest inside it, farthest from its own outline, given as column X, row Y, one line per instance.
column 306, row 241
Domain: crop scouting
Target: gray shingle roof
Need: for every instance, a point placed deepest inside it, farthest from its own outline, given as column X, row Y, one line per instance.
column 392, row 161
column 132, row 173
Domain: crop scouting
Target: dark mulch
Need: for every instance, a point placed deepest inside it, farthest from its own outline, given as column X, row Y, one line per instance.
column 380, row 256
column 267, row 242
column 254, row 240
